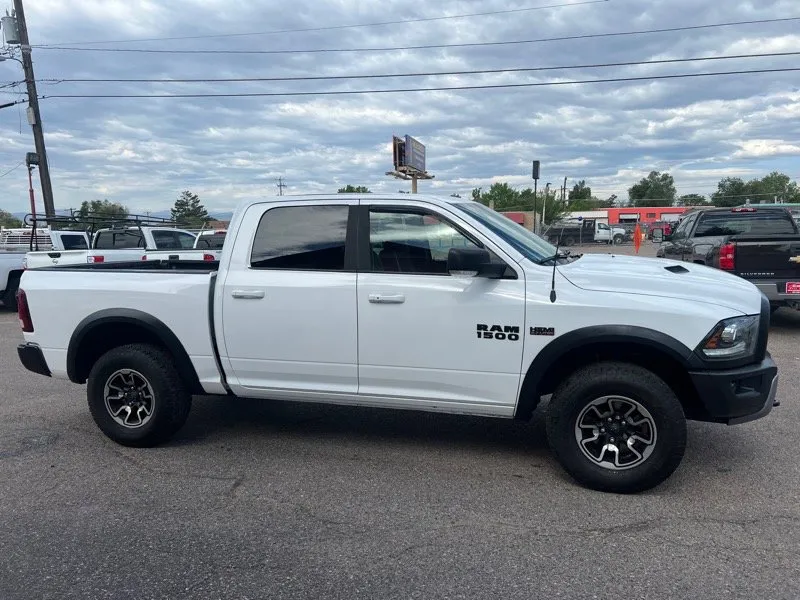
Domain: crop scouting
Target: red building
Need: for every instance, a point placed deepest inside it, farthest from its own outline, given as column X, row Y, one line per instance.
column 645, row 214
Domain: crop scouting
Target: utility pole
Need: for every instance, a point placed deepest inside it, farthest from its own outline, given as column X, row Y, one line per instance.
column 281, row 185
column 34, row 117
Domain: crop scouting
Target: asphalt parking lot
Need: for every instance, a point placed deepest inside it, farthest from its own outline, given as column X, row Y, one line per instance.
column 278, row 500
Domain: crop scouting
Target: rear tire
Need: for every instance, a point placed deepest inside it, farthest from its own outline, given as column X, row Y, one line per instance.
column 647, row 428
column 10, row 294
column 136, row 396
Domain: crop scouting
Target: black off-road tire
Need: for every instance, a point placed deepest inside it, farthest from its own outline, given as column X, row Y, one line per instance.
column 10, row 294
column 627, row 380
column 172, row 399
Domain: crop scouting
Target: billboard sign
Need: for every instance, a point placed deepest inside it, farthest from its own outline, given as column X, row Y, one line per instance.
column 414, row 155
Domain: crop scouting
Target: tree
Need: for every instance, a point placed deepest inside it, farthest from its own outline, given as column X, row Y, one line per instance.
column 349, row 189
column 502, row 197
column 657, row 189
column 580, row 191
column 733, row 191
column 730, row 192
column 189, row 211
column 554, row 208
column 103, row 208
column 692, row 200
column 9, row 220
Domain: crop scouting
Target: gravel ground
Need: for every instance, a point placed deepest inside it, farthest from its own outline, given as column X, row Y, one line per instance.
column 281, row 500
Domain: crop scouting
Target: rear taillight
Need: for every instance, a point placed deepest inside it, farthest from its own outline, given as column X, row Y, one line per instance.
column 95, row 259
column 23, row 312
column 727, row 257
column 144, row 257
column 208, row 257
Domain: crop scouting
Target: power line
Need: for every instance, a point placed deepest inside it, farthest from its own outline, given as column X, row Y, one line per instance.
column 426, row 89
column 430, row 74
column 338, row 27
column 12, row 169
column 430, row 46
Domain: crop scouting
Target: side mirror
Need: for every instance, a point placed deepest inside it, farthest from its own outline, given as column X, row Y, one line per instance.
column 472, row 262
column 658, row 236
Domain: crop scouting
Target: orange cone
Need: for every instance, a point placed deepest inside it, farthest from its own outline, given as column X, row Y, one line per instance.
column 637, row 238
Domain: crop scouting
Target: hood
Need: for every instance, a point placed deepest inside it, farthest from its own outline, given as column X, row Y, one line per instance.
column 664, row 278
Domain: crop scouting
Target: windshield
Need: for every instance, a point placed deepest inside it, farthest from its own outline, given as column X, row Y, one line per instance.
column 526, row 242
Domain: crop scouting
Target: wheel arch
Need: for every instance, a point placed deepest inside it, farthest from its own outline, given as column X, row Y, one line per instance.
column 651, row 349
column 107, row 329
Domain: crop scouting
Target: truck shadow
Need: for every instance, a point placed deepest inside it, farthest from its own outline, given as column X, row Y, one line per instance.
column 213, row 416
column 785, row 319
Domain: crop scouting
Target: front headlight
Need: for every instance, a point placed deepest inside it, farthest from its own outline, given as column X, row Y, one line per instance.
column 732, row 338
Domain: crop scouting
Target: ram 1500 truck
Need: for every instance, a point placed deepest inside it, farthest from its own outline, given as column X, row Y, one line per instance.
column 419, row 302
column 755, row 243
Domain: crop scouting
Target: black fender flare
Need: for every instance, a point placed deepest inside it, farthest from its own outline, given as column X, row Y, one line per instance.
column 129, row 316
column 597, row 334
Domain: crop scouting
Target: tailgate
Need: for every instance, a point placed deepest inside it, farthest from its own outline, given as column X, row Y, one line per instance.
column 765, row 258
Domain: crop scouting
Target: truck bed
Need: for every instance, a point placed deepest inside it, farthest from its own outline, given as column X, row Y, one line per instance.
column 176, row 294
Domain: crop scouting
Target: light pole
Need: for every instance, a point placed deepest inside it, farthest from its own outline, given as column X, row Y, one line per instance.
column 16, row 33
column 544, row 204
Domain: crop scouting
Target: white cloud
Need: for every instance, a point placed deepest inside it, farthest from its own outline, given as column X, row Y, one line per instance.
column 143, row 152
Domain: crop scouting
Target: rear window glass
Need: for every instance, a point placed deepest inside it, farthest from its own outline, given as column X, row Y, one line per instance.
column 212, row 241
column 109, row 240
column 73, row 242
column 757, row 223
column 173, row 240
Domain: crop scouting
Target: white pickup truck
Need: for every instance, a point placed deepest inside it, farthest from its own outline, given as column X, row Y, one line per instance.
column 14, row 243
column 125, row 244
column 413, row 302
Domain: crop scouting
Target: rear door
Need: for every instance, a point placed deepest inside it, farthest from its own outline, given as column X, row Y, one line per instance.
column 288, row 302
column 426, row 337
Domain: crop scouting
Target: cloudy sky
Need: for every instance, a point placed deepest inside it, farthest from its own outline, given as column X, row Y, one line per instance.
column 144, row 151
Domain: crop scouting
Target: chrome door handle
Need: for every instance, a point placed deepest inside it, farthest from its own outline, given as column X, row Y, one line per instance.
column 386, row 299
column 248, row 294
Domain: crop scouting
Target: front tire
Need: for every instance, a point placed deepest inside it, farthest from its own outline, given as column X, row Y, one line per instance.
column 136, row 395
column 618, row 239
column 616, row 427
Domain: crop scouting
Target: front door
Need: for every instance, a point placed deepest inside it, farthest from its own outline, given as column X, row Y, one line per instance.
column 289, row 303
column 426, row 338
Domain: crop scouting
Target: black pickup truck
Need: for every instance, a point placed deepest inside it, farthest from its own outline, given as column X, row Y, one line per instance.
column 761, row 245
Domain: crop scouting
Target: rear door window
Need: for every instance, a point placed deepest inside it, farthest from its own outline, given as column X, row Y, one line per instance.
column 302, row 238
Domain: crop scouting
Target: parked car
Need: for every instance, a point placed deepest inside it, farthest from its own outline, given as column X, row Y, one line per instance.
column 14, row 244
column 412, row 302
column 761, row 245
column 585, row 231
column 125, row 243
column 664, row 226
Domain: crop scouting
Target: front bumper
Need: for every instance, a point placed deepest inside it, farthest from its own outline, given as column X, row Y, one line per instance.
column 32, row 359
column 738, row 395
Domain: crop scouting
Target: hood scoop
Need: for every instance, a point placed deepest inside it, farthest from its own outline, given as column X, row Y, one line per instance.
column 677, row 269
